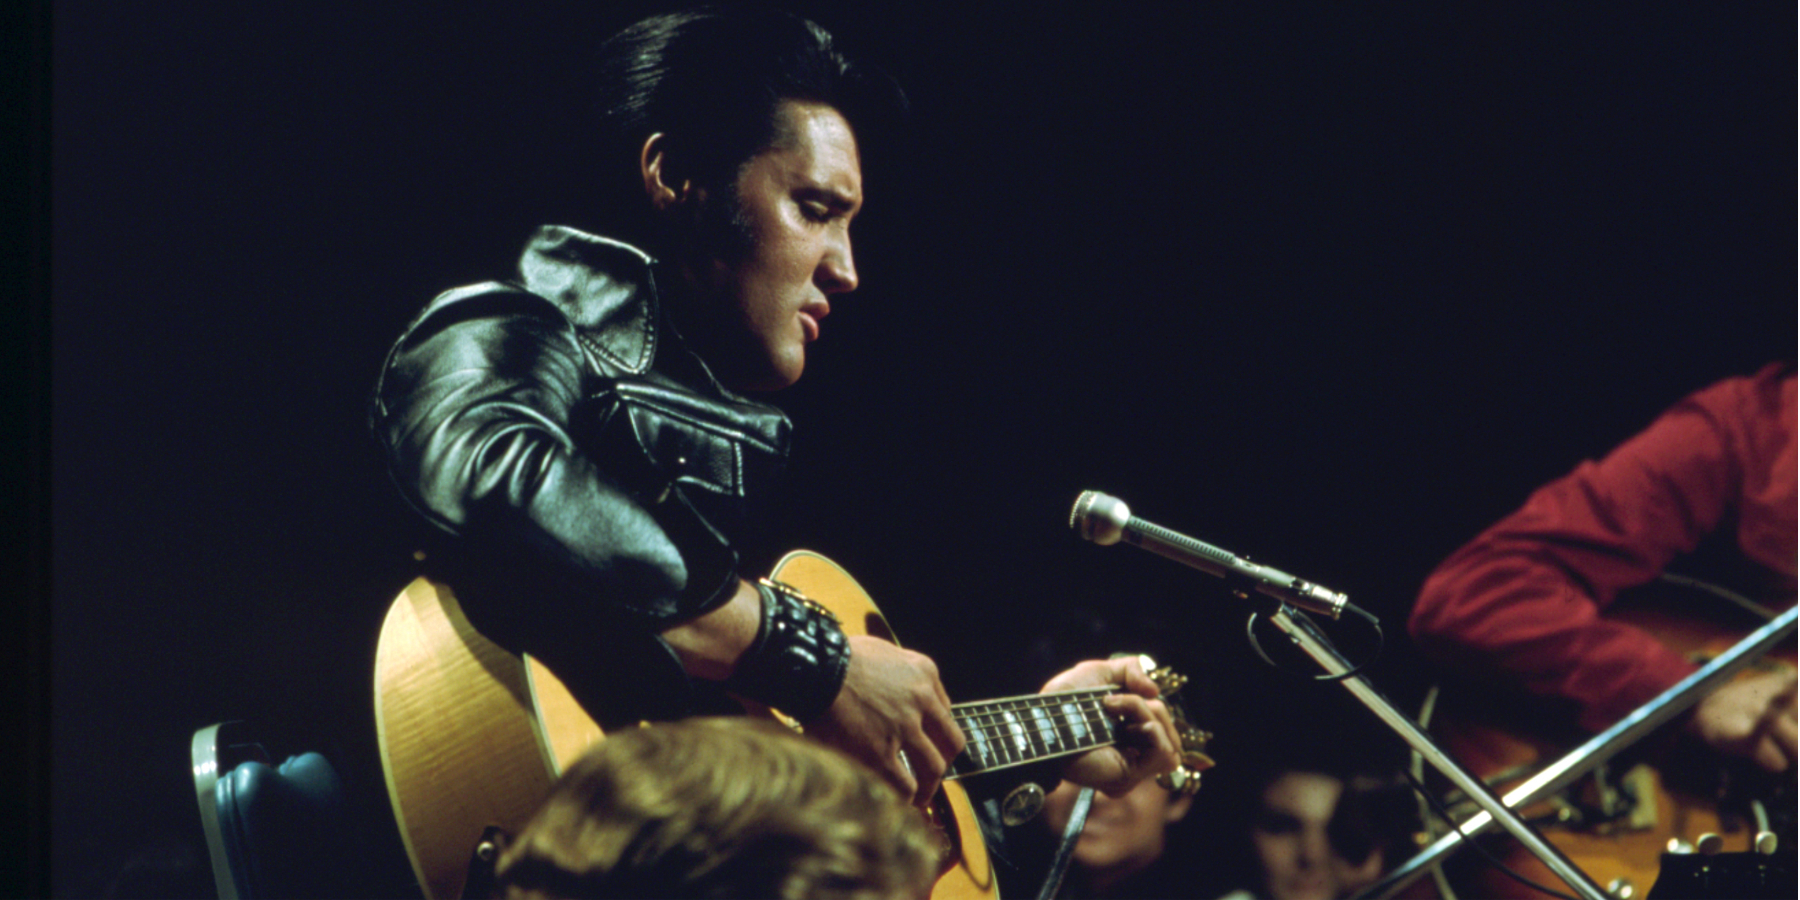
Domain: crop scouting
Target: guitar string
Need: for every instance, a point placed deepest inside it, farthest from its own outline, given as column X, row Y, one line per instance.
column 1089, row 707
column 1043, row 700
column 1003, row 715
column 1001, row 737
column 1000, row 734
column 1047, row 701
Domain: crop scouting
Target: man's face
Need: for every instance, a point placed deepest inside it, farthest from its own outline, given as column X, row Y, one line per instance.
column 792, row 224
column 1292, row 842
column 1123, row 835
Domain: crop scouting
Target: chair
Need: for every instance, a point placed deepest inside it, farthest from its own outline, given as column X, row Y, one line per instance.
column 272, row 831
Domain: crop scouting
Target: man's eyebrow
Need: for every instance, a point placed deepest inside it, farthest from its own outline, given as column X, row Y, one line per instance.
column 830, row 196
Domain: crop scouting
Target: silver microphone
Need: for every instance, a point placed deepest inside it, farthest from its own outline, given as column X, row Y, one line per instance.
column 1106, row 520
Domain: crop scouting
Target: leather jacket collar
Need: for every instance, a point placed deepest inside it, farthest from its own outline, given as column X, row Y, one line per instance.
column 604, row 287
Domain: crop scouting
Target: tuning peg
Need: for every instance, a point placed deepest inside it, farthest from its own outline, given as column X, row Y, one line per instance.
column 1766, row 842
column 1182, row 781
column 1193, row 748
column 1168, row 680
column 1709, row 844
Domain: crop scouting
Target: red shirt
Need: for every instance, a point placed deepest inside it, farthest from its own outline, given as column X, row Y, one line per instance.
column 1522, row 602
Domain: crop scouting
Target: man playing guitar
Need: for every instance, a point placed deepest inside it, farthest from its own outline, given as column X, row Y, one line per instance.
column 1525, row 597
column 1531, row 602
column 578, row 437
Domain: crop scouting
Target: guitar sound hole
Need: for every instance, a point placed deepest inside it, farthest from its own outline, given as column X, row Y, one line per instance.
column 875, row 626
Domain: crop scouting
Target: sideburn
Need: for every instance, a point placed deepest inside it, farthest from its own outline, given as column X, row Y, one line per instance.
column 722, row 228
column 719, row 230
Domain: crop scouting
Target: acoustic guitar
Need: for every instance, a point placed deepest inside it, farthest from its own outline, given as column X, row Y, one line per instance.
column 1616, row 823
column 472, row 738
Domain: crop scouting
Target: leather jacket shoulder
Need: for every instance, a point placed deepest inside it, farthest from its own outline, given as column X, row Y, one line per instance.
column 556, row 426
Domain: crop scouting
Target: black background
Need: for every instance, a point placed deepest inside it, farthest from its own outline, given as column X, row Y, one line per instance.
column 1332, row 285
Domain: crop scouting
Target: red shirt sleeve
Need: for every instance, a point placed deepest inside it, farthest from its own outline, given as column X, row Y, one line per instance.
column 1523, row 601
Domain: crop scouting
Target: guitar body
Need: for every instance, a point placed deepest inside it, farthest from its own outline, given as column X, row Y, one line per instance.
column 472, row 738
column 967, row 873
column 460, row 744
column 1625, row 851
column 1617, row 829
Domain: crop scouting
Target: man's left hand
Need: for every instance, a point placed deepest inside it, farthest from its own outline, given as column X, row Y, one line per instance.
column 1148, row 743
column 1753, row 718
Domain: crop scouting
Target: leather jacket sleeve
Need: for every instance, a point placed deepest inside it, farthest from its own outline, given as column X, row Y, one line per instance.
column 498, row 430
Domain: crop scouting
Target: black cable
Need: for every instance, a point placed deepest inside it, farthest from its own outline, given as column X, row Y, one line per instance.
column 1755, row 608
column 1496, row 863
column 1374, row 623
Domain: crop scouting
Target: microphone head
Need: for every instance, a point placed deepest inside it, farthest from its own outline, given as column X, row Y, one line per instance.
column 1099, row 517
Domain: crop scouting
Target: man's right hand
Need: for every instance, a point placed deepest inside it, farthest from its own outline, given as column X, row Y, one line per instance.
column 892, row 702
column 1752, row 718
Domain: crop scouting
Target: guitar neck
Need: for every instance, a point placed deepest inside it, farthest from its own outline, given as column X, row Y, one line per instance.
column 1015, row 731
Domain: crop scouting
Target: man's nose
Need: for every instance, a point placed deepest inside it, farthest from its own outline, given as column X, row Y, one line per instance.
column 837, row 269
column 1315, row 847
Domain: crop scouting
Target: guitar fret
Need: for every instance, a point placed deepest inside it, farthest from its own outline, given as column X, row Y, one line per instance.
column 1017, row 733
column 978, row 740
column 1078, row 730
column 1101, row 726
column 1017, row 730
column 1021, row 733
column 1101, row 723
column 1046, row 729
column 1034, row 733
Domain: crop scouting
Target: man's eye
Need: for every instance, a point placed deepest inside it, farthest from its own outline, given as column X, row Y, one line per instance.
column 816, row 211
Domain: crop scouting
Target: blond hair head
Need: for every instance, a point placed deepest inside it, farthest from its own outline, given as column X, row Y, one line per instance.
column 720, row 807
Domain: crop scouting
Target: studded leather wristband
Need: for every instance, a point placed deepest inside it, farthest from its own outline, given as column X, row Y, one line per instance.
column 798, row 660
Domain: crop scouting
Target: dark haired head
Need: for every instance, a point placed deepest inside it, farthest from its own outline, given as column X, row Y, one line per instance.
column 711, row 81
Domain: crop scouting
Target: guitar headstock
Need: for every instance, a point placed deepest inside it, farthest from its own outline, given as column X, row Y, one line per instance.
column 1185, row 780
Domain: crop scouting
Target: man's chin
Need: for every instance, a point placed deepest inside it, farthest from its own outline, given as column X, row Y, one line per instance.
column 771, row 375
column 773, row 382
column 1306, row 890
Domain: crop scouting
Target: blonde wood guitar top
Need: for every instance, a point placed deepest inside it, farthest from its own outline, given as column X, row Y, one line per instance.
column 473, row 737
column 460, row 744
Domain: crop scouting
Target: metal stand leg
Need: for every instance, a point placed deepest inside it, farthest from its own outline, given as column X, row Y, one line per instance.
column 1601, row 747
column 1307, row 635
column 1059, row 865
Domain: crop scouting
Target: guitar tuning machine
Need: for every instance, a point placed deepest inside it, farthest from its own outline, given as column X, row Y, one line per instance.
column 1181, row 782
column 1168, row 680
column 1185, row 779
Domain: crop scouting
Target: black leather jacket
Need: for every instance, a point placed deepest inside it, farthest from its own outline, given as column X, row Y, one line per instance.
column 585, row 470
column 586, row 475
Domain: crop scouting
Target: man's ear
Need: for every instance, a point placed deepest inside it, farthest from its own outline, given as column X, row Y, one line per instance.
column 1178, row 808
column 663, row 183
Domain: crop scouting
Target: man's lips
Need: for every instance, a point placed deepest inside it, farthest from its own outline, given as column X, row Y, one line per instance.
column 809, row 320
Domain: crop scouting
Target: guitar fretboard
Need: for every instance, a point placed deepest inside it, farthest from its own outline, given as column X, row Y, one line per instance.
column 1019, row 730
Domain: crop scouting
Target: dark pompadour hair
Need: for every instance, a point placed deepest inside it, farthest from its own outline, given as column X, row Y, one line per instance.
column 712, row 79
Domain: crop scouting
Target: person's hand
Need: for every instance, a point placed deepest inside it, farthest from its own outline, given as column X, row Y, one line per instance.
column 893, row 703
column 1753, row 718
column 1148, row 743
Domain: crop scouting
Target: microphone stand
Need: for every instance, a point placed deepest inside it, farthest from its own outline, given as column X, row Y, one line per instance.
column 1303, row 632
